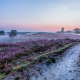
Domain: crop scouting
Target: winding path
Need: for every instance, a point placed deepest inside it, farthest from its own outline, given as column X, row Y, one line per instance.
column 66, row 68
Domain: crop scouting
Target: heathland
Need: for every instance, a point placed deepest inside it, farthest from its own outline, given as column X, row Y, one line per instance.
column 30, row 52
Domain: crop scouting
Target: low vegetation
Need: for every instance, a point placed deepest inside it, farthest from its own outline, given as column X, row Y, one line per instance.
column 49, row 62
column 17, row 78
column 33, row 50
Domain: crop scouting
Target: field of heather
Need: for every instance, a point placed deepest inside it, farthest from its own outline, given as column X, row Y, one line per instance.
column 23, row 50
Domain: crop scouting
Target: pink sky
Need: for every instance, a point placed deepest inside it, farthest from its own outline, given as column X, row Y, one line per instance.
column 40, row 27
column 39, row 15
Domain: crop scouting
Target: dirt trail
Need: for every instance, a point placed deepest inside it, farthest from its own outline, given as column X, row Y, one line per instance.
column 66, row 68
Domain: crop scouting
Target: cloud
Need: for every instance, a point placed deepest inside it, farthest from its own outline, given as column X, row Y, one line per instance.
column 64, row 8
column 77, row 12
column 76, row 4
column 61, row 8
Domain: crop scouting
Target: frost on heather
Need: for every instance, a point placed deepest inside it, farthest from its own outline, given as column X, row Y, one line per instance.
column 11, row 51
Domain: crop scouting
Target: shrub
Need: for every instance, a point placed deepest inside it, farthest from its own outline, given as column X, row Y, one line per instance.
column 53, row 59
column 49, row 61
column 17, row 78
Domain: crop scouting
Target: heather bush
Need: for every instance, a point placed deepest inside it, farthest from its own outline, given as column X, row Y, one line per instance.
column 11, row 51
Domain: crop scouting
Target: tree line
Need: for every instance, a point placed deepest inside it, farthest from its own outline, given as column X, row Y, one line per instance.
column 77, row 30
column 12, row 34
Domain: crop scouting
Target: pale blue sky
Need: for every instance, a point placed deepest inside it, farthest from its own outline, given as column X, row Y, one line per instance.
column 39, row 15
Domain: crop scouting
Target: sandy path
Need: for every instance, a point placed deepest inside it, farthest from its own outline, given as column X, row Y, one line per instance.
column 66, row 67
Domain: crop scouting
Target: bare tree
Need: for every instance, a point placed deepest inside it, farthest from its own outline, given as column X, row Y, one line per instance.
column 13, row 33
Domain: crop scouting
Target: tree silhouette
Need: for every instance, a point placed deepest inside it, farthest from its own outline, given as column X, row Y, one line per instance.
column 76, row 30
column 1, row 32
column 13, row 33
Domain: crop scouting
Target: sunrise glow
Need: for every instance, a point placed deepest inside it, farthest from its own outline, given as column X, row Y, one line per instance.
column 39, row 15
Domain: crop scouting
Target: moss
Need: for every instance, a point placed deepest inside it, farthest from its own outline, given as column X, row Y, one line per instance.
column 26, row 53
column 53, row 60
column 64, row 45
column 2, row 75
column 33, row 50
column 41, row 56
column 17, row 78
column 49, row 62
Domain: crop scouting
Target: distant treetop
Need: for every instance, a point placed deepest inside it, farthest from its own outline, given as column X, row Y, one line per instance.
column 76, row 30
column 1, row 32
column 13, row 33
